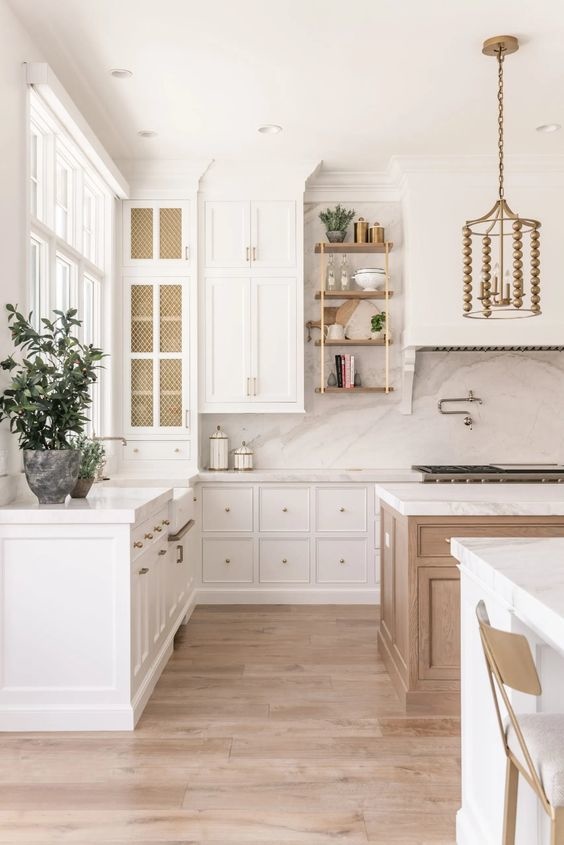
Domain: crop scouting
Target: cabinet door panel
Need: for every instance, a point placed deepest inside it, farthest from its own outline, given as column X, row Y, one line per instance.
column 273, row 234
column 227, row 331
column 273, row 349
column 341, row 509
column 284, row 561
column 156, row 234
column 438, row 622
column 227, row 561
column 227, row 234
column 341, row 561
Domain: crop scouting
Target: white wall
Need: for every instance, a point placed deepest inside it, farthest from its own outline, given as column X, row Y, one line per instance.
column 17, row 48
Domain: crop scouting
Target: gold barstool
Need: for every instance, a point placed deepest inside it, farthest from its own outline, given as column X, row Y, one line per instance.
column 534, row 742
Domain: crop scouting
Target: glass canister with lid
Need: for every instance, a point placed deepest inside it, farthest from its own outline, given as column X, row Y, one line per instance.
column 243, row 458
column 219, row 450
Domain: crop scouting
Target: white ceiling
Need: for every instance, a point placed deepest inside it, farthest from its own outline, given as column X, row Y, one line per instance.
column 351, row 83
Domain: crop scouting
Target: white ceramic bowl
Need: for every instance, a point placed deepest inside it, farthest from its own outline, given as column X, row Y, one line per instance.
column 372, row 279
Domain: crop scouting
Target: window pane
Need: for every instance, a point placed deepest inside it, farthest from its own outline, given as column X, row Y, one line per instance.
column 63, row 200
column 89, row 225
column 63, row 284
column 35, row 170
column 36, row 265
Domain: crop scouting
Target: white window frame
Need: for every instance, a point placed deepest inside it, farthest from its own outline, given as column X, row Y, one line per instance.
column 57, row 143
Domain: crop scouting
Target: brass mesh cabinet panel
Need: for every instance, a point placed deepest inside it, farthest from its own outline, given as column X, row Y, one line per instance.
column 141, row 392
column 141, row 233
column 170, row 233
column 142, row 318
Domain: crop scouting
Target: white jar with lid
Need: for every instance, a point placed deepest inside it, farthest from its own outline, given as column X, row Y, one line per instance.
column 243, row 458
column 219, row 450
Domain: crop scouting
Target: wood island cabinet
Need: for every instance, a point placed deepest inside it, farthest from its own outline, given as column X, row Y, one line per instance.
column 419, row 636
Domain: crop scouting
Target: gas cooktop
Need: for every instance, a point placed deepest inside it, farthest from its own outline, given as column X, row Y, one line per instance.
column 469, row 473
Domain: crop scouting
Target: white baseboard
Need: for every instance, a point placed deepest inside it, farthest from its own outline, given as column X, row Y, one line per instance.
column 470, row 831
column 287, row 595
column 39, row 719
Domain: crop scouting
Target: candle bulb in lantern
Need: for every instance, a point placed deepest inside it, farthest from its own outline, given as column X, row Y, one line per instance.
column 495, row 278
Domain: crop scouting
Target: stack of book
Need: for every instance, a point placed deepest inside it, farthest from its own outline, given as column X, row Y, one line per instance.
column 344, row 367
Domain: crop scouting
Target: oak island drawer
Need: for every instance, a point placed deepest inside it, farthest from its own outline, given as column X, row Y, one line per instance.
column 340, row 561
column 284, row 508
column 341, row 509
column 227, row 508
column 227, row 561
column 283, row 561
column 157, row 450
column 434, row 540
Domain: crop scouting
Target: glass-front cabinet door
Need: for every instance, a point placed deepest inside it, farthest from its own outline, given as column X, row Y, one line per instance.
column 156, row 234
column 157, row 347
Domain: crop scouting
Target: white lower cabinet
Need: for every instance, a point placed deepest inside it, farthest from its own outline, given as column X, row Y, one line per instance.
column 288, row 542
column 227, row 561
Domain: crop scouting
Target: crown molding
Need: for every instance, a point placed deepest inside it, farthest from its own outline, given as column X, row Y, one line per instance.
column 166, row 178
column 351, row 185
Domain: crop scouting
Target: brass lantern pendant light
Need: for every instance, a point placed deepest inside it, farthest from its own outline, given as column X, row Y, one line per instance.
column 502, row 291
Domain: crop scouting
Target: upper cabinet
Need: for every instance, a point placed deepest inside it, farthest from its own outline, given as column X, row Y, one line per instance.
column 254, row 235
column 156, row 234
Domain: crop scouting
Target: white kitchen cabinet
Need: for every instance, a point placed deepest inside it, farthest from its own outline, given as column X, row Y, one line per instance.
column 156, row 234
column 227, row 508
column 156, row 339
column 284, row 561
column 251, row 359
column 341, row 509
column 250, row 234
column 341, row 560
column 284, row 508
column 227, row 561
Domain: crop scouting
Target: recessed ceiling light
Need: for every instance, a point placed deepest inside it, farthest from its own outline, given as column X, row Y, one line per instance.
column 270, row 129
column 147, row 133
column 549, row 127
column 121, row 72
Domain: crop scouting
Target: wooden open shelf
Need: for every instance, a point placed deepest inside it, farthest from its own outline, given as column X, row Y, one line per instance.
column 354, row 294
column 354, row 390
column 352, row 247
column 346, row 342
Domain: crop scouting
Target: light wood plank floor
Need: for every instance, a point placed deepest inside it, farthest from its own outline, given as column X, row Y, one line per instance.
column 270, row 725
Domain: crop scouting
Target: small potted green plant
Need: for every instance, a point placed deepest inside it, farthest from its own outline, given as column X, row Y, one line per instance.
column 336, row 221
column 377, row 322
column 47, row 398
column 93, row 457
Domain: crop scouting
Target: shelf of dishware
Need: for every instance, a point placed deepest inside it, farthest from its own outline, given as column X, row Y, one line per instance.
column 354, row 294
column 354, row 390
column 344, row 248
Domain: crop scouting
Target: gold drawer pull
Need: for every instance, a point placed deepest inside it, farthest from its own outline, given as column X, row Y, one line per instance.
column 143, row 570
column 284, row 560
column 138, row 544
column 166, row 522
column 342, row 560
column 342, row 510
column 149, row 536
column 157, row 528
column 227, row 560
column 227, row 509
column 447, row 539
column 284, row 510
column 162, row 552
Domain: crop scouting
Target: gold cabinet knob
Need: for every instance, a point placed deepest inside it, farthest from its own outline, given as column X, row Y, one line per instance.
column 447, row 539
column 149, row 536
column 227, row 509
column 143, row 570
column 136, row 450
column 342, row 510
column 177, row 449
column 227, row 560
column 342, row 560
column 284, row 560
column 284, row 510
column 166, row 522
column 162, row 552
column 138, row 544
column 157, row 528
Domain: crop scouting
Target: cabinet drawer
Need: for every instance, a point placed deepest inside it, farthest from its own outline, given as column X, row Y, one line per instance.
column 157, row 450
column 341, row 509
column 340, row 561
column 284, row 509
column 284, row 560
column 434, row 540
column 227, row 508
column 227, row 561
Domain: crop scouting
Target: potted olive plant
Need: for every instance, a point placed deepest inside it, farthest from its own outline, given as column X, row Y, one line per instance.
column 336, row 221
column 93, row 457
column 47, row 398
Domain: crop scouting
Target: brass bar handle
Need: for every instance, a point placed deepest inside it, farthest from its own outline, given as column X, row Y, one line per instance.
column 254, row 386
column 187, row 419
column 247, row 253
column 254, row 253
column 180, row 554
column 162, row 552
column 248, row 386
column 187, row 253
column 138, row 544
column 143, row 570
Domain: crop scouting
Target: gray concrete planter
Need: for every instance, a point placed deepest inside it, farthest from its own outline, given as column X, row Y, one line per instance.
column 51, row 473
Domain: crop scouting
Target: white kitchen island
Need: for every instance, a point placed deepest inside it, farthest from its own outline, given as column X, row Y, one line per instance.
column 91, row 595
column 522, row 584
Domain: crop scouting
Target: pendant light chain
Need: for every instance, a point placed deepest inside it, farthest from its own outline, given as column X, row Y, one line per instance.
column 500, row 58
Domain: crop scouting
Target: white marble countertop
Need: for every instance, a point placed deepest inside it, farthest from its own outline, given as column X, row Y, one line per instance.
column 258, row 476
column 104, row 504
column 526, row 573
column 474, row 499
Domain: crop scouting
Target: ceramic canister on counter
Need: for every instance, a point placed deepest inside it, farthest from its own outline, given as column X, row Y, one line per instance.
column 243, row 458
column 219, row 450
column 360, row 231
